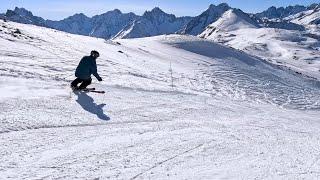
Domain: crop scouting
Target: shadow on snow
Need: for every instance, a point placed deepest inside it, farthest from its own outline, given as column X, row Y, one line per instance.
column 88, row 104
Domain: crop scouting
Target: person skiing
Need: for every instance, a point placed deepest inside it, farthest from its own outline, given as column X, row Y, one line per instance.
column 86, row 67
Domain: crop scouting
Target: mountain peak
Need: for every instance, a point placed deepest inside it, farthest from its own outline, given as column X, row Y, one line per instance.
column 17, row 9
column 282, row 12
column 222, row 6
column 232, row 19
column 156, row 14
column 219, row 8
column 78, row 16
column 22, row 15
column 199, row 23
column 157, row 10
column 211, row 6
column 272, row 8
column 236, row 19
column 114, row 12
column 21, row 12
column 117, row 11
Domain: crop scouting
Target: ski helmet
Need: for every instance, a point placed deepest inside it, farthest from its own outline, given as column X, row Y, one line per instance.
column 95, row 53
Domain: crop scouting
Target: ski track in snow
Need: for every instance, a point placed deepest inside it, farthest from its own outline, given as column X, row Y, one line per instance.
column 228, row 116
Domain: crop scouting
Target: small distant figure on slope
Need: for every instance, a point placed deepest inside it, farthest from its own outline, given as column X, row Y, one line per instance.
column 86, row 67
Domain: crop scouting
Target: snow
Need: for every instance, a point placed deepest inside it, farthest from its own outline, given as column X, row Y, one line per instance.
column 26, row 88
column 234, row 19
column 290, row 49
column 199, row 23
column 229, row 115
column 305, row 17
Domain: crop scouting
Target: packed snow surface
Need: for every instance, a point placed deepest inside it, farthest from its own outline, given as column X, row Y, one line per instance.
column 176, row 107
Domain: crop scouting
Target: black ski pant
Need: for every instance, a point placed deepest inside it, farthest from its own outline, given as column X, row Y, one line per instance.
column 84, row 83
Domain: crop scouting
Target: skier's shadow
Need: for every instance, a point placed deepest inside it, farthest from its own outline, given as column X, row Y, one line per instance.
column 88, row 104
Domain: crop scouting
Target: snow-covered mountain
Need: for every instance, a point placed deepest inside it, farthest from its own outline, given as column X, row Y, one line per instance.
column 109, row 24
column 199, row 23
column 232, row 19
column 156, row 22
column 106, row 25
column 152, row 23
column 76, row 24
column 24, row 16
column 308, row 17
column 291, row 49
column 176, row 107
column 282, row 12
column 286, row 42
column 235, row 19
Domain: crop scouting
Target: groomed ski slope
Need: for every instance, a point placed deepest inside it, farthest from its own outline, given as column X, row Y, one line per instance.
column 228, row 115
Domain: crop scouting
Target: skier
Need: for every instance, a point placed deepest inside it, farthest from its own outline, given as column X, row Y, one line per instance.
column 86, row 67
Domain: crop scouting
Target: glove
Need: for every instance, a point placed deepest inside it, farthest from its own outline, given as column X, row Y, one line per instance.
column 99, row 79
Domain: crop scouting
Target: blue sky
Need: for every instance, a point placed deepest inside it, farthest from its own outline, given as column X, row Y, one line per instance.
column 59, row 9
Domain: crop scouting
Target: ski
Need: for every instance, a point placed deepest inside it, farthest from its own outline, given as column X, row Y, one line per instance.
column 86, row 89
column 89, row 89
column 92, row 90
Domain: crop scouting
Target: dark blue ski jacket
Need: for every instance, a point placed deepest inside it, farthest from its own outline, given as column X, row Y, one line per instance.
column 86, row 67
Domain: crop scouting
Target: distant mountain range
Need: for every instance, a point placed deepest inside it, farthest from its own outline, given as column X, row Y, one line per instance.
column 115, row 24
column 152, row 23
column 105, row 25
column 281, row 12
